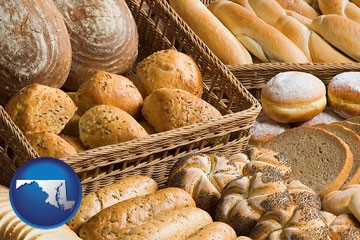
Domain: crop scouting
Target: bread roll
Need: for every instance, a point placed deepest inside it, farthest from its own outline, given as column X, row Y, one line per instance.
column 356, row 2
column 303, row 195
column 126, row 188
column 204, row 177
column 138, row 84
column 245, row 4
column 35, row 46
column 170, row 69
column 299, row 6
column 109, row 89
column 268, row 10
column 354, row 205
column 339, row 31
column 342, row 227
column 105, row 125
column 261, row 39
column 340, row 7
column 103, row 36
column 48, row 144
column 214, row 231
column 166, row 109
column 120, row 218
column 148, row 128
column 211, row 31
column 176, row 225
column 72, row 126
column 75, row 142
column 39, row 108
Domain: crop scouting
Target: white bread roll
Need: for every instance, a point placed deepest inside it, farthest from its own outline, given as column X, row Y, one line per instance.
column 340, row 7
column 268, row 10
column 299, row 6
column 261, row 39
column 245, row 4
column 211, row 31
column 341, row 32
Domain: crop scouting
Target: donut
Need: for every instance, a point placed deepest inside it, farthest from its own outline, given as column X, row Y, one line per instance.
column 293, row 97
column 264, row 129
column 326, row 116
column 344, row 94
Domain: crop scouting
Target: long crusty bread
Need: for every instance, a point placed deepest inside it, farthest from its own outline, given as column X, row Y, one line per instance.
column 353, row 141
column 320, row 159
column 213, row 33
column 245, row 4
column 340, row 7
column 261, row 39
column 300, row 7
column 339, row 31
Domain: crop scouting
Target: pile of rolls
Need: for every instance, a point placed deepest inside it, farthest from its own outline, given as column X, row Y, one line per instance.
column 276, row 30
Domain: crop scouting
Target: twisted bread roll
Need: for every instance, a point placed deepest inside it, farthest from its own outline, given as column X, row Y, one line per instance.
column 303, row 195
column 342, row 227
column 340, row 7
column 204, row 177
column 244, row 200
column 262, row 40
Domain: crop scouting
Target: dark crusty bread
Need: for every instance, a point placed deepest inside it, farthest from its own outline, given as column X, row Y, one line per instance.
column 351, row 139
column 319, row 159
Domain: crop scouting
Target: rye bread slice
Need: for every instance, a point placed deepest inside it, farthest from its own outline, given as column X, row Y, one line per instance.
column 352, row 126
column 351, row 139
column 319, row 159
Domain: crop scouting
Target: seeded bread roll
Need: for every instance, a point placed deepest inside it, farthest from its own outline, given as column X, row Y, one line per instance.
column 109, row 89
column 204, row 177
column 302, row 195
column 166, row 109
column 293, row 97
column 214, row 231
column 121, row 218
column 170, row 69
column 344, row 226
column 105, row 125
column 39, row 108
column 48, row 144
column 126, row 188
column 75, row 142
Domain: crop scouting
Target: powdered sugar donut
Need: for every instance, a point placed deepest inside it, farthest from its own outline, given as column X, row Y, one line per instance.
column 293, row 97
column 265, row 129
column 344, row 94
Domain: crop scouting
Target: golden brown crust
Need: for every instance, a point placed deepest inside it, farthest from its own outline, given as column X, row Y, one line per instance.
column 303, row 195
column 340, row 7
column 214, row 231
column 38, row 108
column 109, row 89
column 35, row 46
column 103, row 36
column 72, row 127
column 337, row 202
column 48, row 144
column 75, row 142
column 166, row 109
column 300, row 7
column 105, row 125
column 170, row 69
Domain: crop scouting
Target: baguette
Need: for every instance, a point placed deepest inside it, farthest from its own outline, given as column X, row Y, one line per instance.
column 261, row 39
column 122, row 190
column 339, row 31
column 118, row 219
column 175, row 225
column 210, row 30
column 214, row 231
column 268, row 10
column 299, row 6
column 245, row 4
column 340, row 7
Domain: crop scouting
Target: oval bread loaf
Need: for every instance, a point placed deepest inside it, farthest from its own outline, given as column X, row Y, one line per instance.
column 122, row 190
column 214, row 231
column 175, row 225
column 166, row 109
column 118, row 219
column 35, row 46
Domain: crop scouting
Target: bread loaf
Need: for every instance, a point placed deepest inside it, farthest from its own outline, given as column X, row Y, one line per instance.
column 170, row 69
column 105, row 125
column 166, row 109
column 120, row 218
column 103, row 36
column 214, row 231
column 204, row 177
column 175, row 225
column 35, row 46
column 261, row 39
column 340, row 7
column 299, row 6
column 39, row 108
column 126, row 188
column 109, row 89
column 211, row 31
column 339, row 31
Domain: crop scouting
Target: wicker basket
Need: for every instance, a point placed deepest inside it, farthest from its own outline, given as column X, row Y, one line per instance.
column 154, row 155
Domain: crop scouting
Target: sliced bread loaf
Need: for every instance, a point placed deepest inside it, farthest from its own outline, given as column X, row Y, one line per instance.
column 351, row 125
column 319, row 159
column 351, row 139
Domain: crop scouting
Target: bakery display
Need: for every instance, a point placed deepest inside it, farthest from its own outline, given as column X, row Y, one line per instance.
column 170, row 69
column 35, row 46
column 166, row 109
column 344, row 94
column 293, row 97
column 105, row 125
column 105, row 88
column 103, row 36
